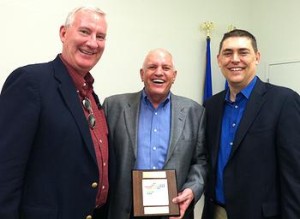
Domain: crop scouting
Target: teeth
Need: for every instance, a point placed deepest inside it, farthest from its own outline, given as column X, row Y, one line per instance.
column 87, row 52
column 158, row 81
column 236, row 69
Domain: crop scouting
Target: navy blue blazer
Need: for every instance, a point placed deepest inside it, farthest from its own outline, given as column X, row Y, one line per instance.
column 47, row 162
column 262, row 177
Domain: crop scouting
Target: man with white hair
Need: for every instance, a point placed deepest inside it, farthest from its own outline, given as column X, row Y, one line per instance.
column 53, row 146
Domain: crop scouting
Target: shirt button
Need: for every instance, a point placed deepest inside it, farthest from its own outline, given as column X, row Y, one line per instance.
column 236, row 106
column 89, row 217
column 155, row 113
column 154, row 148
column 154, row 168
column 231, row 143
column 100, row 141
column 103, row 187
column 155, row 130
column 233, row 124
column 104, row 163
column 94, row 185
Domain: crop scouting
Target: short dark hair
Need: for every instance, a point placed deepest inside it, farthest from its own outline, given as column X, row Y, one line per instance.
column 239, row 33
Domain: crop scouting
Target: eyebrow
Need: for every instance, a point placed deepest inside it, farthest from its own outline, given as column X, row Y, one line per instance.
column 239, row 49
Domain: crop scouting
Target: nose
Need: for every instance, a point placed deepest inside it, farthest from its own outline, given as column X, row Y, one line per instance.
column 159, row 71
column 92, row 42
column 235, row 57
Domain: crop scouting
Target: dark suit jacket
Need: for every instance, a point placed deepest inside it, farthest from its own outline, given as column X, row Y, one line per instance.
column 47, row 162
column 186, row 153
column 262, row 177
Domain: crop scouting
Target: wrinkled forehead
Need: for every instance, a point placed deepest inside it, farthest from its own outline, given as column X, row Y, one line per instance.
column 158, row 58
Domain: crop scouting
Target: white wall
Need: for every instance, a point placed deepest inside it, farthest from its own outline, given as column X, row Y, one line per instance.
column 276, row 26
column 29, row 34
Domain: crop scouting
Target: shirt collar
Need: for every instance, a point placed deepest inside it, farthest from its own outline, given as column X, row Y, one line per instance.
column 147, row 101
column 83, row 83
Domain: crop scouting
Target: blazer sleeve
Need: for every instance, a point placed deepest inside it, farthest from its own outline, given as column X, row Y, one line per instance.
column 197, row 173
column 288, row 144
column 19, row 110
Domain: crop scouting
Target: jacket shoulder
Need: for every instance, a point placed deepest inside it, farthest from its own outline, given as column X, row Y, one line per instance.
column 185, row 101
column 125, row 97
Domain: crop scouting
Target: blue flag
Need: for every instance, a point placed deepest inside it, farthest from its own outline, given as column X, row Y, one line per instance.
column 207, row 84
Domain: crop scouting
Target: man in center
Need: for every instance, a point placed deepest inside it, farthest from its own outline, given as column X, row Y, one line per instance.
column 155, row 129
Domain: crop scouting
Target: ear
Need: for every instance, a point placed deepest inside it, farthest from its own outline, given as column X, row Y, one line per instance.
column 174, row 74
column 142, row 74
column 62, row 33
column 257, row 58
column 218, row 59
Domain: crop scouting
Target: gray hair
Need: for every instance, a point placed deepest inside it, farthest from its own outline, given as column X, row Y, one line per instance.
column 71, row 15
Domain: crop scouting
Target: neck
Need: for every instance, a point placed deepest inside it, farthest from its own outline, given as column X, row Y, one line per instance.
column 155, row 102
column 233, row 93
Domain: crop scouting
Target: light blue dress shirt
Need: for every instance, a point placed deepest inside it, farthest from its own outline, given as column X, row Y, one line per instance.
column 153, row 134
column 233, row 113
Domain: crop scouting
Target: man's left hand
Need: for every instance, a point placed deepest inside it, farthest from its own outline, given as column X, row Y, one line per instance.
column 184, row 199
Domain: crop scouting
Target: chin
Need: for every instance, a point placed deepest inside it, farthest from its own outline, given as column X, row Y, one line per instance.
column 86, row 65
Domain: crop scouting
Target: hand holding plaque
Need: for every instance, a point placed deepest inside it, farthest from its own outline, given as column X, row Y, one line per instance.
column 153, row 192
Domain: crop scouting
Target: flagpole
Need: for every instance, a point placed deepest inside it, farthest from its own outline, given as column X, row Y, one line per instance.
column 231, row 27
column 207, row 26
column 207, row 91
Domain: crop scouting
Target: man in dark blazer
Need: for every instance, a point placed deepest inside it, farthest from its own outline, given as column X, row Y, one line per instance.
column 49, row 167
column 253, row 139
column 129, row 116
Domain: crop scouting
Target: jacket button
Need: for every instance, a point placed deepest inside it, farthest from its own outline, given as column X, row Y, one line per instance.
column 89, row 217
column 94, row 185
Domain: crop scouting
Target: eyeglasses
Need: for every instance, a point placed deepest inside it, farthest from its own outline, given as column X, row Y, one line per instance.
column 88, row 107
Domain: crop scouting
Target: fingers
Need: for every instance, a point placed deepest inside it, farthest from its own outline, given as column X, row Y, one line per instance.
column 183, row 199
column 183, row 196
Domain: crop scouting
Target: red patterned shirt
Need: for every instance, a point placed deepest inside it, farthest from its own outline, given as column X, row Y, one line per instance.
column 99, row 132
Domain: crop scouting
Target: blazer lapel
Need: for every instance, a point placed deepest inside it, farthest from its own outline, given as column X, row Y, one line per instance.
column 178, row 116
column 216, row 117
column 252, row 109
column 131, row 113
column 69, row 94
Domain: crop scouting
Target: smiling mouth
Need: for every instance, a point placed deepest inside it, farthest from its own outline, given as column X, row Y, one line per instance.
column 236, row 69
column 158, row 81
column 87, row 52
